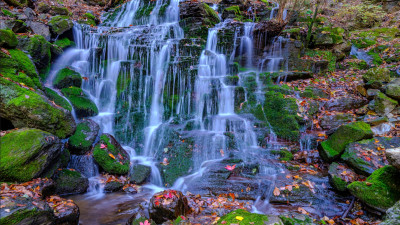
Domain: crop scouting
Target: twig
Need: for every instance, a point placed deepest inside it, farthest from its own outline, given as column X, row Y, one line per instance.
column 348, row 209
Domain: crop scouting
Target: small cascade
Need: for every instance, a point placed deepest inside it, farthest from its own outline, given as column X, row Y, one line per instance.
column 275, row 8
column 360, row 54
column 246, row 45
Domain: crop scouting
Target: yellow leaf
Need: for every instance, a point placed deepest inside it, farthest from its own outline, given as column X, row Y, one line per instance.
column 239, row 218
column 111, row 155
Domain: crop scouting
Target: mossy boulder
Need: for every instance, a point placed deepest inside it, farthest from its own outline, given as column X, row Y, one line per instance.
column 17, row 66
column 84, row 107
column 382, row 104
column 110, row 156
column 241, row 216
column 27, row 153
column 70, row 182
column 381, row 190
column 113, row 186
column 340, row 176
column 284, row 155
column 60, row 24
column 335, row 145
column 139, row 174
column 39, row 50
column 8, row 39
column 26, row 108
column 55, row 10
column 67, row 78
column 366, row 156
column 296, row 219
column 84, row 137
column 392, row 89
column 88, row 19
column 392, row 215
column 377, row 74
column 64, row 43
column 56, row 98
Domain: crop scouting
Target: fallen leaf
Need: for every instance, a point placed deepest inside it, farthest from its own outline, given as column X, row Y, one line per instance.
column 277, row 191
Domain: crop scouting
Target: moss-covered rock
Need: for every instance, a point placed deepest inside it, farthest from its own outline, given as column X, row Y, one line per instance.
column 381, row 190
column 284, row 155
column 55, row 10
column 241, row 216
column 64, row 43
column 340, row 176
column 26, row 153
column 89, row 19
column 83, row 106
column 39, row 50
column 110, row 156
column 377, row 74
column 18, row 67
column 70, row 182
column 335, row 145
column 56, row 98
column 26, row 108
column 8, row 39
column 296, row 219
column 60, row 24
column 392, row 89
column 113, row 186
column 67, row 78
column 382, row 104
column 140, row 173
column 366, row 156
column 84, row 136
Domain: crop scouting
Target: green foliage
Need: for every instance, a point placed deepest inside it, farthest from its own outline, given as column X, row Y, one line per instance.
column 238, row 14
column 325, row 55
column 211, row 13
column 285, row 155
column 7, row 13
column 64, row 43
column 82, row 104
column 79, row 138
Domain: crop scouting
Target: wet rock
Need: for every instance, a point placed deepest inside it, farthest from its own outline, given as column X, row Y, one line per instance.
column 366, row 156
column 345, row 103
column 335, row 145
column 110, row 156
column 25, row 108
column 85, row 135
column 8, row 39
column 336, row 120
column 382, row 129
column 340, row 176
column 39, row 50
column 392, row 215
column 380, row 191
column 17, row 26
column 113, row 186
column 392, row 89
column 27, row 153
column 60, row 25
column 40, row 29
column 43, row 7
column 84, row 107
column 251, row 218
column 55, row 11
column 167, row 205
column 70, row 182
column 21, row 210
column 56, row 98
column 296, row 218
column 382, row 104
column 67, row 78
column 371, row 93
column 29, row 13
column 140, row 173
column 393, row 156
column 377, row 74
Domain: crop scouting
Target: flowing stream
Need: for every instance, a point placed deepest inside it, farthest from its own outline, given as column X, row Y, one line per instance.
column 158, row 92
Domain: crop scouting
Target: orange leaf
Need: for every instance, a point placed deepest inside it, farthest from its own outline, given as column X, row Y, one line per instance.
column 111, row 155
column 277, row 191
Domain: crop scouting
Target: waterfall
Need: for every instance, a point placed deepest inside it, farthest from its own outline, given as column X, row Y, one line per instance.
column 246, row 45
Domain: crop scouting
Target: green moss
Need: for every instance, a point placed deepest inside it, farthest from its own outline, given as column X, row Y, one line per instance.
column 377, row 74
column 109, row 164
column 67, row 78
column 60, row 10
column 40, row 51
column 19, row 68
column 7, row 13
column 211, row 14
column 285, row 155
column 238, row 14
column 292, row 30
column 60, row 24
column 78, row 140
column 64, row 43
column 8, row 39
column 248, row 218
column 381, row 190
column 20, row 215
column 339, row 184
column 26, row 108
column 325, row 55
column 292, row 220
column 180, row 162
column 83, row 106
column 346, row 134
column 56, row 98
column 21, row 158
